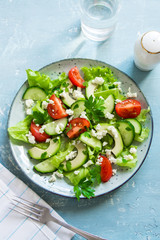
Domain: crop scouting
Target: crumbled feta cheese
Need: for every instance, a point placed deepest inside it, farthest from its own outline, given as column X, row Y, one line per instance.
column 114, row 171
column 83, row 115
column 48, row 140
column 98, row 81
column 104, row 144
column 130, row 94
column 109, row 115
column 118, row 101
column 71, row 155
column 58, row 174
column 128, row 157
column 87, row 164
column 51, row 101
column 41, row 130
column 63, row 94
column 133, row 150
column 76, row 172
column 101, row 97
column 70, row 118
column 29, row 111
column 77, row 94
column 70, row 90
column 99, row 134
column 37, row 125
column 69, row 111
column 98, row 127
column 44, row 105
column 79, row 89
column 29, row 103
column 59, row 128
column 118, row 84
column 99, row 160
column 31, row 138
column 113, row 131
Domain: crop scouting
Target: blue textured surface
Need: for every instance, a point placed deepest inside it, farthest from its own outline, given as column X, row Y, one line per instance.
column 36, row 33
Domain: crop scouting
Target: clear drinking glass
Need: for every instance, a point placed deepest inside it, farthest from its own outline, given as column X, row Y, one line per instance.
column 98, row 18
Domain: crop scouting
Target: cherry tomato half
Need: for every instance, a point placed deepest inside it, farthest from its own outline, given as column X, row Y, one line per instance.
column 78, row 126
column 106, row 169
column 75, row 77
column 129, row 108
column 39, row 137
column 56, row 109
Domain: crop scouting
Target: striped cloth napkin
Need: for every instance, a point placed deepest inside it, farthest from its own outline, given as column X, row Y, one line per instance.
column 14, row 226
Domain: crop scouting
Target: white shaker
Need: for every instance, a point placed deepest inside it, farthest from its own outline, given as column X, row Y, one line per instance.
column 147, row 50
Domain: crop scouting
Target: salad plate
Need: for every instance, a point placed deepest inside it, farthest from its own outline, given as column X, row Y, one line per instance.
column 62, row 187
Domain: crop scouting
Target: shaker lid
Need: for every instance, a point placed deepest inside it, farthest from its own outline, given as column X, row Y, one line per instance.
column 151, row 42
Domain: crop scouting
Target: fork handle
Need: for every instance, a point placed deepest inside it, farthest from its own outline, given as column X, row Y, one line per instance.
column 85, row 234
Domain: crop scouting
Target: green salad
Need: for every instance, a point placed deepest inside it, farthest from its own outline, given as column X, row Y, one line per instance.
column 81, row 126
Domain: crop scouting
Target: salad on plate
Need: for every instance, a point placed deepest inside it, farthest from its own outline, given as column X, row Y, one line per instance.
column 81, row 127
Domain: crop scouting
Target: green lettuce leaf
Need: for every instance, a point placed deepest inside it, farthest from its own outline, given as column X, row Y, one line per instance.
column 144, row 134
column 19, row 131
column 40, row 115
column 75, row 179
column 143, row 115
column 130, row 163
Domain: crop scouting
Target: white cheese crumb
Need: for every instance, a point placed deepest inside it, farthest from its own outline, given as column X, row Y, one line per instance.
column 83, row 115
column 77, row 94
column 101, row 97
column 76, row 172
column 104, row 144
column 29, row 111
column 44, row 105
column 71, row 155
column 109, row 115
column 31, row 138
column 128, row 157
column 59, row 128
column 51, row 101
column 99, row 134
column 52, row 178
column 118, row 84
column 99, row 160
column 98, row 81
column 70, row 90
column 117, row 101
column 29, row 103
column 41, row 130
column 87, row 164
column 113, row 131
column 59, row 175
column 69, row 111
column 130, row 94
column 133, row 150
column 48, row 140
column 114, row 171
column 98, row 127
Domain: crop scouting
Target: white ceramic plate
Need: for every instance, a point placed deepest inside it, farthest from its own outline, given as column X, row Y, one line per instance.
column 60, row 186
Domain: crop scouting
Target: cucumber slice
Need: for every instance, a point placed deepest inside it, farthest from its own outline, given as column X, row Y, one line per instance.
column 38, row 153
column 127, row 131
column 118, row 143
column 109, row 104
column 50, row 128
column 78, row 161
column 45, row 167
column 136, row 124
column 34, row 93
column 68, row 100
column 90, row 89
column 91, row 141
column 78, row 107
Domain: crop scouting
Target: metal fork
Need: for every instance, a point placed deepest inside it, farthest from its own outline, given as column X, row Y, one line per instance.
column 42, row 214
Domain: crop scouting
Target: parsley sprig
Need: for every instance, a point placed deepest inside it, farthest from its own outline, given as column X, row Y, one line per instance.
column 95, row 108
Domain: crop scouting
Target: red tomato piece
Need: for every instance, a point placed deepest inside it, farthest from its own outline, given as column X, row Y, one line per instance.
column 78, row 126
column 39, row 137
column 106, row 169
column 129, row 108
column 56, row 109
column 75, row 77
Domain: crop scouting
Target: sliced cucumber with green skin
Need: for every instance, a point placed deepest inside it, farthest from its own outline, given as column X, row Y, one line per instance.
column 114, row 132
column 45, row 167
column 109, row 104
column 78, row 107
column 136, row 124
column 91, row 141
column 38, row 153
column 50, row 128
column 90, row 89
column 127, row 131
column 34, row 93
column 78, row 161
column 68, row 100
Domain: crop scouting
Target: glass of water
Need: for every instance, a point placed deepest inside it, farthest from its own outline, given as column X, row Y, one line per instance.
column 98, row 18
